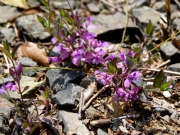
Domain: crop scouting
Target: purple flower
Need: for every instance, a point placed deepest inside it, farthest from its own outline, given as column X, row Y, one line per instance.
column 135, row 76
column 102, row 77
column 123, row 56
column 77, row 55
column 55, row 59
column 8, row 86
column 131, row 53
column 54, row 40
column 16, row 74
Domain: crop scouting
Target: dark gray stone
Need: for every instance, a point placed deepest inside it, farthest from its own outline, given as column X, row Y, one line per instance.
column 174, row 67
column 71, row 122
column 57, row 79
column 27, row 62
column 86, row 81
column 8, row 13
column 8, row 34
column 68, row 96
column 115, row 125
column 95, row 8
column 31, row 27
column 170, row 52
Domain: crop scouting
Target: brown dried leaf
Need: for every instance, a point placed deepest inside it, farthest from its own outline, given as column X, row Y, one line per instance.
column 31, row 50
column 16, row 3
column 176, row 43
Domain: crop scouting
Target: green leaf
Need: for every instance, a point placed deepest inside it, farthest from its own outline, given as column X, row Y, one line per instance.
column 42, row 21
column 42, row 93
column 44, row 2
column 6, row 53
column 6, row 45
column 62, row 12
column 111, row 68
column 159, row 79
column 120, row 71
column 14, row 51
column 165, row 86
column 70, row 21
column 47, row 92
column 149, row 28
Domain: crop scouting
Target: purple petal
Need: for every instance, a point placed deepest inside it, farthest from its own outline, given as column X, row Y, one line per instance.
column 19, row 68
column 9, row 85
column 123, row 56
column 14, row 88
column 55, row 59
column 2, row 90
column 54, row 40
column 11, row 71
column 131, row 53
column 127, row 83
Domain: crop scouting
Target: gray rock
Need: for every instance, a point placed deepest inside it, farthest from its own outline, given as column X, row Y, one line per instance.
column 159, row 6
column 115, row 125
column 101, row 132
column 174, row 67
column 174, row 115
column 31, row 27
column 29, row 72
column 86, row 81
column 33, row 3
column 95, row 8
column 144, row 14
column 176, row 24
column 28, row 62
column 8, row 13
column 57, row 79
column 170, row 52
column 62, row 4
column 71, row 122
column 5, row 106
column 109, row 22
column 7, row 79
column 8, row 34
column 71, row 95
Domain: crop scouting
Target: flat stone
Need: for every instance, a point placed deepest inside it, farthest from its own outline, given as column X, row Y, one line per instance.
column 71, row 95
column 32, row 27
column 145, row 14
column 27, row 62
column 176, row 24
column 8, row 13
column 7, row 79
column 174, row 67
column 71, row 122
column 170, row 52
column 57, row 79
column 5, row 106
column 101, row 132
column 106, row 23
column 62, row 4
column 8, row 34
column 95, row 8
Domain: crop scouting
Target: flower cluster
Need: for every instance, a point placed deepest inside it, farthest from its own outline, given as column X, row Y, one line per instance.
column 127, row 89
column 80, row 46
column 8, row 86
